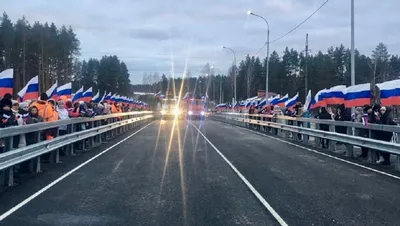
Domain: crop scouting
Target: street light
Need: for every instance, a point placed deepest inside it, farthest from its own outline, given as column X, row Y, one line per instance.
column 267, row 63
column 352, row 51
column 234, row 72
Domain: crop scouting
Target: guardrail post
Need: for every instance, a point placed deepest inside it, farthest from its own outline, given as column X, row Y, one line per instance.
column 397, row 163
column 100, row 137
column 331, row 143
column 284, row 133
column 83, row 143
column 317, row 140
column 55, row 155
column 34, row 164
column 305, row 137
column 109, row 133
column 113, row 130
column 70, row 147
column 371, row 153
column 9, row 172
column 349, row 147
column 91, row 141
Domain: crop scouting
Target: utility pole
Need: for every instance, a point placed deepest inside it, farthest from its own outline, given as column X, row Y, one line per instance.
column 352, row 66
column 306, row 70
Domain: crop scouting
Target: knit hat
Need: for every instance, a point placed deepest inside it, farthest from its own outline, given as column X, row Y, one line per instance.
column 44, row 97
column 7, row 96
column 14, row 102
column 5, row 102
column 23, row 105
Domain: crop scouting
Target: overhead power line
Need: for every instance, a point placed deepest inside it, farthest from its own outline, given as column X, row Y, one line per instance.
column 297, row 26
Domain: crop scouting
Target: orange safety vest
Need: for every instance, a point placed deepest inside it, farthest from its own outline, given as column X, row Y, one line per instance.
column 45, row 111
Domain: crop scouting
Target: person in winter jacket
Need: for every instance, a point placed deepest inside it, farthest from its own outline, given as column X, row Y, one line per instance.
column 359, row 117
column 15, row 107
column 62, row 115
column 23, row 114
column 33, row 117
column 90, row 109
column 99, row 109
column 8, row 119
column 84, row 110
column 385, row 119
column 54, row 108
column 46, row 111
column 73, row 111
column 24, row 110
column 341, row 115
column 324, row 115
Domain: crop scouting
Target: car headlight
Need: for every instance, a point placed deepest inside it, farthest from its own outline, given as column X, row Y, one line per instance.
column 202, row 113
column 176, row 111
column 163, row 112
column 190, row 112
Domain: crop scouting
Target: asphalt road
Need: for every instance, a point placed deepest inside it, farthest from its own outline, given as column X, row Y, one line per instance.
column 172, row 175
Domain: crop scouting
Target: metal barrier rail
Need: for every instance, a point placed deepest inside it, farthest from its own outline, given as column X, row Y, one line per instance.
column 18, row 130
column 101, row 127
column 284, row 128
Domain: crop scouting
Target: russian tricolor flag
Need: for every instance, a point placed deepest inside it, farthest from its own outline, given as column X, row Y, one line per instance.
column 87, row 95
column 108, row 96
column 247, row 104
column 292, row 101
column 52, row 92
column 334, row 95
column 263, row 103
column 275, row 99
column 113, row 98
column 6, row 82
column 318, row 99
column 30, row 91
column 78, row 95
column 96, row 98
column 281, row 102
column 104, row 96
column 390, row 92
column 309, row 102
column 65, row 90
column 357, row 95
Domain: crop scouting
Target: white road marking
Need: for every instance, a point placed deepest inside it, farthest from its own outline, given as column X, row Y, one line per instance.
column 30, row 198
column 117, row 166
column 324, row 154
column 245, row 181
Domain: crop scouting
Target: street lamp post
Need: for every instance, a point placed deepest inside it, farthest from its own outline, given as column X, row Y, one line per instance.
column 234, row 73
column 267, row 63
column 352, row 65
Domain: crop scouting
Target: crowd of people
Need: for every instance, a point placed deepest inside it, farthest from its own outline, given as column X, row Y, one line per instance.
column 375, row 114
column 45, row 109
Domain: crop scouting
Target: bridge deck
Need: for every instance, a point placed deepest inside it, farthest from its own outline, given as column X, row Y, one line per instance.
column 151, row 179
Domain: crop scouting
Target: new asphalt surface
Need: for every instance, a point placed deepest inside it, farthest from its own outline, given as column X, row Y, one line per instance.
column 170, row 174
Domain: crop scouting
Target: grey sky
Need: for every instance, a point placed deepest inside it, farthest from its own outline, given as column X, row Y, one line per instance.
column 149, row 35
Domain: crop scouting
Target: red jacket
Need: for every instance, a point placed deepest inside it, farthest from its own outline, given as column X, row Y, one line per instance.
column 72, row 113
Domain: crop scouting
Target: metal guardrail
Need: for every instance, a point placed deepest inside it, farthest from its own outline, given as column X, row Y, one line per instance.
column 18, row 130
column 283, row 126
column 100, row 128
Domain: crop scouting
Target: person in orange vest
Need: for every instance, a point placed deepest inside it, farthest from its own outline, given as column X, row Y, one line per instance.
column 115, row 108
column 119, row 109
column 55, row 113
column 46, row 111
